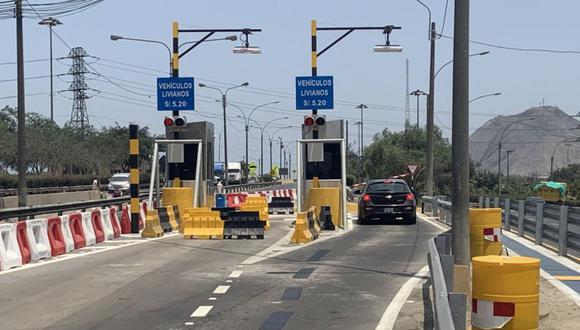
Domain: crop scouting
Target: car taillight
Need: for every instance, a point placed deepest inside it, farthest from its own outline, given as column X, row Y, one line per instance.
column 366, row 198
column 410, row 197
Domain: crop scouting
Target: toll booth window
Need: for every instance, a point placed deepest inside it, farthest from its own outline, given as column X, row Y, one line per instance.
column 330, row 168
column 188, row 166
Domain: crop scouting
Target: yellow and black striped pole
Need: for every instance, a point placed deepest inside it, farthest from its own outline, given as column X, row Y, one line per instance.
column 314, row 61
column 134, row 176
column 175, row 73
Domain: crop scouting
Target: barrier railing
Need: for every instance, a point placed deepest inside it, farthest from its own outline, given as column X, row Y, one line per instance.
column 250, row 186
column 50, row 190
column 29, row 212
column 449, row 308
column 555, row 226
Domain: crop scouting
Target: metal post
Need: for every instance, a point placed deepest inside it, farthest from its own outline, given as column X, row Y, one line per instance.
column 521, row 218
column 271, row 174
column 539, row 223
column 563, row 231
column 299, row 181
column 487, row 203
column 314, row 65
column 499, row 169
column 175, row 73
column 154, row 173
column 21, row 108
column 343, row 175
column 507, row 181
column 281, row 148
column 460, row 135
column 481, row 200
column 289, row 165
column 507, row 214
column 431, row 113
column 197, row 194
column 226, row 179
column 51, row 78
column 496, row 202
column 247, row 167
column 134, row 176
column 262, row 155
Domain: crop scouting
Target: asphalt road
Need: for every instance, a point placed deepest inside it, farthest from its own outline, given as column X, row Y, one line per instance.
column 343, row 282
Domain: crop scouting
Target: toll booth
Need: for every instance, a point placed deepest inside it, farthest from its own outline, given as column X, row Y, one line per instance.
column 182, row 159
column 321, row 172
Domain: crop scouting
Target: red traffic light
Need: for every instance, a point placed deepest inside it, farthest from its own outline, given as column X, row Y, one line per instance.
column 308, row 121
column 168, row 121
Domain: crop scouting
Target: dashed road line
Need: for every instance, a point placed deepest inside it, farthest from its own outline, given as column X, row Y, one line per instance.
column 293, row 293
column 236, row 274
column 201, row 311
column 212, row 298
column 318, row 255
column 189, row 323
column 229, row 281
column 304, row 272
column 221, row 289
column 276, row 321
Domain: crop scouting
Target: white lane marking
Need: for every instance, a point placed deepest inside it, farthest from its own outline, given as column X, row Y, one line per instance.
column 236, row 274
column 240, row 266
column 229, row 281
column 221, row 289
column 189, row 323
column 558, row 284
column 391, row 313
column 82, row 253
column 212, row 298
column 433, row 222
column 201, row 311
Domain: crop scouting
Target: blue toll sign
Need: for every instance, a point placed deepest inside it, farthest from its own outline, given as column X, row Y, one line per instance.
column 175, row 94
column 315, row 93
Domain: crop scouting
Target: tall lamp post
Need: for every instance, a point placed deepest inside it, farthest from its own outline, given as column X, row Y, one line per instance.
column 224, row 94
column 508, row 152
column 499, row 146
column 418, row 93
column 272, row 137
column 51, row 22
column 361, row 160
column 484, row 96
column 262, row 130
column 567, row 140
column 247, row 120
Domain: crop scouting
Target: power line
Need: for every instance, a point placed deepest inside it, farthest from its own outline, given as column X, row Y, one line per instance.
column 537, row 50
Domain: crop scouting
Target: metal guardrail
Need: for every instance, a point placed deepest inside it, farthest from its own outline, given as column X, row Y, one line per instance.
column 29, row 212
column 556, row 226
column 449, row 308
column 51, row 190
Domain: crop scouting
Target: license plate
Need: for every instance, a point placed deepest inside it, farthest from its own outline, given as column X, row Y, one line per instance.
column 388, row 210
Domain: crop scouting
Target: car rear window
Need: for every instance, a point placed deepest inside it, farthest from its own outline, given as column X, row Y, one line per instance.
column 395, row 187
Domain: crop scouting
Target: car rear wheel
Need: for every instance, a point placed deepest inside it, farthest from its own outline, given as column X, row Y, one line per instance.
column 361, row 220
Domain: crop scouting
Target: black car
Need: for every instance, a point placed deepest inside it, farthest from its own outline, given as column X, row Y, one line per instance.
column 387, row 199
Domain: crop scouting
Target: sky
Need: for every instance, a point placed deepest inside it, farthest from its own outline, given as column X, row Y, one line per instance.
column 524, row 78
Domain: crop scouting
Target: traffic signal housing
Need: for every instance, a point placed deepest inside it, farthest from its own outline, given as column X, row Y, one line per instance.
column 175, row 122
column 314, row 120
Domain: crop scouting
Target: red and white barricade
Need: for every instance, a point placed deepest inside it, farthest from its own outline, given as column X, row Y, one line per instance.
column 69, row 243
column 487, row 314
column 38, row 241
column 87, row 223
column 10, row 256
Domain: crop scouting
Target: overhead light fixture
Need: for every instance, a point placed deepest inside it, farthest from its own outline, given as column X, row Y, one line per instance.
column 115, row 37
column 388, row 48
column 245, row 48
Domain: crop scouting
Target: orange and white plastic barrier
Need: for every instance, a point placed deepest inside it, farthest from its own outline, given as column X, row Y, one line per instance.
column 10, row 256
column 97, row 225
column 36, row 230
column 22, row 238
column 69, row 243
column 87, row 222
column 107, row 225
column 55, row 237
column 114, row 221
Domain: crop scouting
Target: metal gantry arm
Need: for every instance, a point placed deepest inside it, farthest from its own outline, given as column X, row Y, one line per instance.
column 386, row 30
column 210, row 32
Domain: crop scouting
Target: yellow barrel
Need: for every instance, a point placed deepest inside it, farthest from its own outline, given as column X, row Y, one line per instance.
column 182, row 197
column 485, row 232
column 505, row 292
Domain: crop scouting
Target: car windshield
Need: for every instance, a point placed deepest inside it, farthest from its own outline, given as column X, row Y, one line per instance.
column 395, row 187
column 233, row 170
column 119, row 179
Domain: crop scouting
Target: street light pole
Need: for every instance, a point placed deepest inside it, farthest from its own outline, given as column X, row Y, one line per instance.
column 460, row 135
column 418, row 93
column 362, row 145
column 51, row 22
column 431, row 113
column 483, row 96
column 500, row 144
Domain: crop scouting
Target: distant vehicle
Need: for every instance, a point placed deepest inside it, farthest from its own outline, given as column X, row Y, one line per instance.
column 551, row 191
column 218, row 170
column 387, row 199
column 235, row 175
column 119, row 182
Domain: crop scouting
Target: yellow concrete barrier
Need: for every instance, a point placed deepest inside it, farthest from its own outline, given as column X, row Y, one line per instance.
column 313, row 212
column 326, row 197
column 152, row 227
column 257, row 203
column 202, row 224
column 485, row 232
column 172, row 218
column 302, row 233
column 182, row 197
column 505, row 292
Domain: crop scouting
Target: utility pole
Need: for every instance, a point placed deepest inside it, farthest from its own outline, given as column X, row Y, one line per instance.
column 347, row 139
column 460, row 135
column 508, row 152
column 281, row 148
column 362, row 145
column 51, row 22
column 22, row 167
column 225, row 140
column 247, row 166
column 431, row 113
column 407, row 103
column 271, row 172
